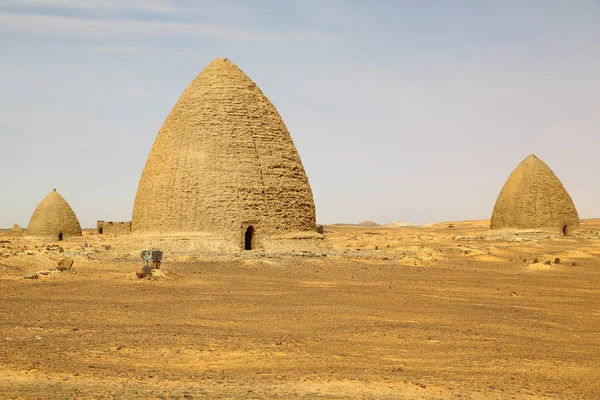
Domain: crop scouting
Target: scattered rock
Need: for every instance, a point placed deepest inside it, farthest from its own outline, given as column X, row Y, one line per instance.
column 320, row 229
column 44, row 272
column 535, row 261
column 574, row 264
column 65, row 264
column 30, row 276
column 547, row 262
column 557, row 260
column 140, row 274
column 513, row 294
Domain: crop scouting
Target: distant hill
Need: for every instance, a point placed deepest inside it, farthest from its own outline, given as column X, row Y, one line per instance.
column 478, row 223
column 368, row 223
column 399, row 224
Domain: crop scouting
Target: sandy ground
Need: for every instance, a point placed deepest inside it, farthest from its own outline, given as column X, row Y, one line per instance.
column 391, row 313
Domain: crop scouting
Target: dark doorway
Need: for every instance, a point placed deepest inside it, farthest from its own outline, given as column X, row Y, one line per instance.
column 565, row 231
column 100, row 230
column 60, row 236
column 248, row 237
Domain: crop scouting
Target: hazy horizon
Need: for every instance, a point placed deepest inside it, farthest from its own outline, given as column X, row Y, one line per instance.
column 400, row 110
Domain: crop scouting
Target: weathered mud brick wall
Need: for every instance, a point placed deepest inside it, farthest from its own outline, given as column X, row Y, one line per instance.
column 113, row 228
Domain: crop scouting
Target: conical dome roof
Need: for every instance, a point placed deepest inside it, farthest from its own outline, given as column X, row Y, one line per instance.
column 54, row 218
column 534, row 198
column 223, row 159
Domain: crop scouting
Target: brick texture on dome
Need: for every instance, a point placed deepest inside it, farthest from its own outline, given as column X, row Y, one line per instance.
column 534, row 198
column 223, row 160
column 54, row 218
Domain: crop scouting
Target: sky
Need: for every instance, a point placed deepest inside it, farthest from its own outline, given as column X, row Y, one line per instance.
column 410, row 111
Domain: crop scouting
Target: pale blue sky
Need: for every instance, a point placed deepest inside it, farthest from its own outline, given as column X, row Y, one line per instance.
column 401, row 110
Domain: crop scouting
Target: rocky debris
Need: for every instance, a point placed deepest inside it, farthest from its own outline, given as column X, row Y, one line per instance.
column 574, row 264
column 155, row 275
column 547, row 262
column 30, row 276
column 65, row 264
column 320, row 229
column 535, row 261
column 54, row 247
column 145, row 272
column 106, row 246
column 9, row 268
column 557, row 260
column 302, row 253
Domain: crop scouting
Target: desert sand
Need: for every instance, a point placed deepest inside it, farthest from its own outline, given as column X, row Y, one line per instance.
column 371, row 312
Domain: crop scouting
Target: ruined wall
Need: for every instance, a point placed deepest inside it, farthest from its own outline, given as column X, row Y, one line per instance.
column 534, row 198
column 223, row 159
column 113, row 228
column 54, row 218
column 16, row 229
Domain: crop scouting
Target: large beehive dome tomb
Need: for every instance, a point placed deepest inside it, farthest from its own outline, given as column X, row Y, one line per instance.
column 224, row 163
column 534, row 198
column 54, row 219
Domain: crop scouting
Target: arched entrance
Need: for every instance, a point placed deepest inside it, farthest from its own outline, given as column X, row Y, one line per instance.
column 100, row 231
column 249, row 238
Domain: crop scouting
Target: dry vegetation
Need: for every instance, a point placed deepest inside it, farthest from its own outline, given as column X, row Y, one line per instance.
column 430, row 313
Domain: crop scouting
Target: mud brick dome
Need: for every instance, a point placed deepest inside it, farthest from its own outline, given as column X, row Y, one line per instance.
column 222, row 161
column 54, row 218
column 534, row 198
